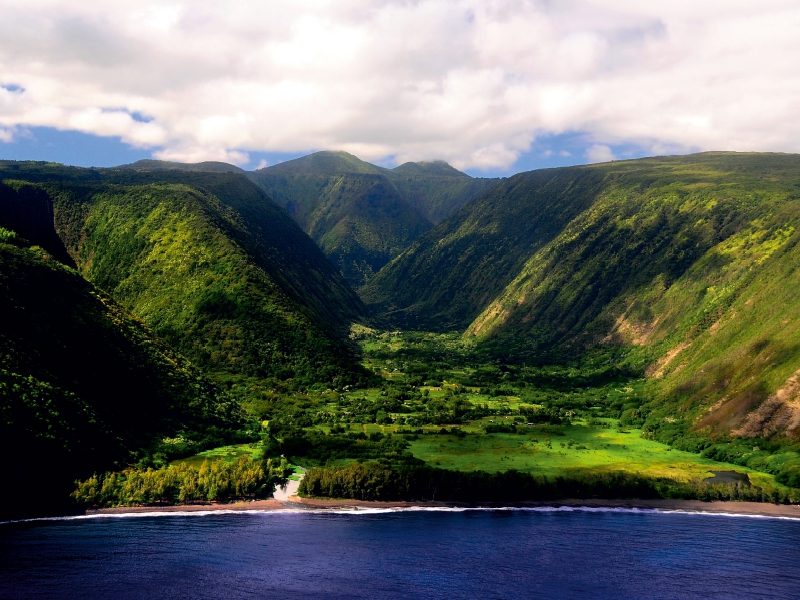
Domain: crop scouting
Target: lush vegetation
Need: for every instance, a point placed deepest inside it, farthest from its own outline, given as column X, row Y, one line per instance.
column 27, row 210
column 85, row 386
column 451, row 273
column 361, row 215
column 688, row 263
column 358, row 220
column 444, row 418
column 184, row 265
column 220, row 480
column 625, row 329
column 372, row 481
column 442, row 406
column 208, row 263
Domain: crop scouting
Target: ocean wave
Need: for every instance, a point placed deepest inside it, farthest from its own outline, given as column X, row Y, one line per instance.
column 366, row 511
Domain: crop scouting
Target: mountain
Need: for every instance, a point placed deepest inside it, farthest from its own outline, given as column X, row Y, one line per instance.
column 207, row 261
column 325, row 163
column 166, row 165
column 362, row 223
column 691, row 263
column 27, row 210
column 85, row 386
column 362, row 215
column 448, row 276
column 436, row 189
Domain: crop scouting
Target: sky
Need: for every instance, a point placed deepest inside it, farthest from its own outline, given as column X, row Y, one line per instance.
column 493, row 87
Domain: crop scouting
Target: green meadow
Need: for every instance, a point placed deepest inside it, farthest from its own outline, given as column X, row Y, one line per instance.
column 227, row 453
column 569, row 450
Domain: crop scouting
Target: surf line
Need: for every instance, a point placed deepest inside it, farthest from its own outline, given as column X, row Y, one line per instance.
column 366, row 511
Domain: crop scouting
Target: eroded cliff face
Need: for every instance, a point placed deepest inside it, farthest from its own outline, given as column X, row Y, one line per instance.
column 779, row 413
column 28, row 210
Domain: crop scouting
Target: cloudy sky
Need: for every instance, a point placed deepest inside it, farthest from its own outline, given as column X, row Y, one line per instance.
column 491, row 86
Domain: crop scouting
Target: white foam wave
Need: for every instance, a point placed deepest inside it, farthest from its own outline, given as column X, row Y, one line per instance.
column 365, row 511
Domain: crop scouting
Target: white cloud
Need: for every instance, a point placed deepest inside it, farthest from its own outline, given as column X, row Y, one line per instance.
column 470, row 81
column 195, row 154
column 599, row 153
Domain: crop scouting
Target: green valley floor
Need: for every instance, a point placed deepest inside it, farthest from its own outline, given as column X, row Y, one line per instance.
column 436, row 401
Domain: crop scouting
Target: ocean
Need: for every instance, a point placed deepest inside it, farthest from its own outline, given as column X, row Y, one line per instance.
column 448, row 553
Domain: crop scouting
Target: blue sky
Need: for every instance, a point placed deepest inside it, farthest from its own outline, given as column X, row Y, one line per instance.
column 87, row 150
column 70, row 148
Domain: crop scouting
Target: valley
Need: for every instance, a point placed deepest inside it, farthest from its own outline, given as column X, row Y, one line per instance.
column 472, row 416
column 615, row 330
column 361, row 215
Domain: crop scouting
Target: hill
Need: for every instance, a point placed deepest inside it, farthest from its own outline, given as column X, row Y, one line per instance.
column 689, row 263
column 210, row 166
column 448, row 276
column 436, row 189
column 361, row 223
column 86, row 386
column 362, row 215
column 208, row 262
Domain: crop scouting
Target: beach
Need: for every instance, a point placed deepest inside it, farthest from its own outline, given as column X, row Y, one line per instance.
column 294, row 502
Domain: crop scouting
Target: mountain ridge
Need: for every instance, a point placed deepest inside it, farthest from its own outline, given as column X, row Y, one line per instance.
column 209, row 166
column 434, row 188
column 363, row 215
column 210, row 263
column 660, row 255
column 85, row 385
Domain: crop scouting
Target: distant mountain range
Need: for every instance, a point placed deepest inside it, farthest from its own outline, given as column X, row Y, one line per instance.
column 209, row 166
column 359, row 214
column 362, row 215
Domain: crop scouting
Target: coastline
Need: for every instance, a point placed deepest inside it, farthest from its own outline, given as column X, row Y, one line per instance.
column 242, row 506
column 751, row 509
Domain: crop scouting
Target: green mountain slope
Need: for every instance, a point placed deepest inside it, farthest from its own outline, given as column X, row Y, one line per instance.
column 446, row 278
column 436, row 189
column 690, row 260
column 210, row 264
column 361, row 224
column 27, row 210
column 83, row 385
column 209, row 166
column 363, row 215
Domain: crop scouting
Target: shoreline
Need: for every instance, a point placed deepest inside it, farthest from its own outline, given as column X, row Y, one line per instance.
column 751, row 509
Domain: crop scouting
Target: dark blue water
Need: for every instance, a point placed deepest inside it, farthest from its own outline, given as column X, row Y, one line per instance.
column 473, row 554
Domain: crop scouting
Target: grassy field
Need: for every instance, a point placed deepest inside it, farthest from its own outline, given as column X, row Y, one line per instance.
column 229, row 453
column 580, row 448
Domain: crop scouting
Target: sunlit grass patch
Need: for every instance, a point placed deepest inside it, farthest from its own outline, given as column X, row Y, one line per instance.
column 543, row 451
column 228, row 453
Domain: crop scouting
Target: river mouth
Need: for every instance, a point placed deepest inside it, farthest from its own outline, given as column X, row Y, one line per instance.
column 290, row 488
column 728, row 477
column 284, row 492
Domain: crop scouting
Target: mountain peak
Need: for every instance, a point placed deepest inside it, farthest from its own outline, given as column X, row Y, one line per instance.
column 326, row 162
column 436, row 168
column 209, row 166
